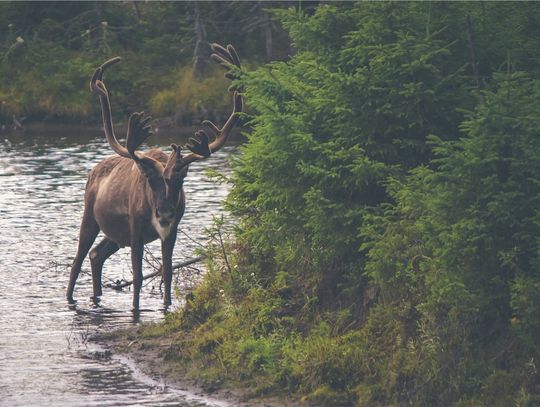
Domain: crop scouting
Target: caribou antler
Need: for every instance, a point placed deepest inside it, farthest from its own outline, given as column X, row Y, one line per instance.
column 138, row 132
column 138, row 128
column 198, row 145
column 226, row 57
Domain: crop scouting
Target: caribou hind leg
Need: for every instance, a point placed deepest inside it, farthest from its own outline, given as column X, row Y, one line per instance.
column 98, row 255
column 87, row 236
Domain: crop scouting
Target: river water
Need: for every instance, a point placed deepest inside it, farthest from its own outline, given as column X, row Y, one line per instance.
column 45, row 355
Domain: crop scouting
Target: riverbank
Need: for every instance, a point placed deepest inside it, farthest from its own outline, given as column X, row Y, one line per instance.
column 83, row 133
column 152, row 351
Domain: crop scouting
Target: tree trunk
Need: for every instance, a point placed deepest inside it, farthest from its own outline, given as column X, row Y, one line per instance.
column 136, row 10
column 267, row 27
column 199, row 54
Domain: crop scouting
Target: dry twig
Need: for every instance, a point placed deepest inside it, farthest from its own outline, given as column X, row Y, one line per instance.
column 118, row 285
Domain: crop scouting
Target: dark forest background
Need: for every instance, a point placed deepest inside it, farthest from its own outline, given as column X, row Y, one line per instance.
column 48, row 51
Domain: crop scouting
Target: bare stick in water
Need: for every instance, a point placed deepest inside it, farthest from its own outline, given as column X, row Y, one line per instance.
column 118, row 285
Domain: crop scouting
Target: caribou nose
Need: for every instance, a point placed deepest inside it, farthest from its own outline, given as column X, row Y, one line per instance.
column 164, row 222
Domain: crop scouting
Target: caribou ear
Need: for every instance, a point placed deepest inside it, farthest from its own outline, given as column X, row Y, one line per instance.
column 149, row 167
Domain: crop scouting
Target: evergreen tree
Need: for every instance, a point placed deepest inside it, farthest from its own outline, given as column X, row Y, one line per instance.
column 387, row 250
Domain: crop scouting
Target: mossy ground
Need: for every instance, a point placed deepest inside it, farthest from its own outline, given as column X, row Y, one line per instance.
column 154, row 347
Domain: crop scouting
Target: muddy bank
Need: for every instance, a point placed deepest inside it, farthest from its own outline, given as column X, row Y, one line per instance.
column 150, row 356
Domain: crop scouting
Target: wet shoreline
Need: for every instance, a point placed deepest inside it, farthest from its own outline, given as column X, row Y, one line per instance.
column 162, row 136
column 146, row 355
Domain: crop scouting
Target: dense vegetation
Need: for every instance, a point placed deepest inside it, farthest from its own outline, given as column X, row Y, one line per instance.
column 387, row 197
column 48, row 51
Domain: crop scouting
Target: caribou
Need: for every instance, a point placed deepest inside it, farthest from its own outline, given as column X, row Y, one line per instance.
column 136, row 197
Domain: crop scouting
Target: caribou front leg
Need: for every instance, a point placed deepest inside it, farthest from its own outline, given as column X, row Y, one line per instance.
column 137, row 248
column 167, row 247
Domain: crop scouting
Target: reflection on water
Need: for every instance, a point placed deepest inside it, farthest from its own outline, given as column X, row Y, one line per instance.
column 45, row 356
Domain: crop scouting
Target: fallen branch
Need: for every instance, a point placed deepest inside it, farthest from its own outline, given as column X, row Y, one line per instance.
column 118, row 285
